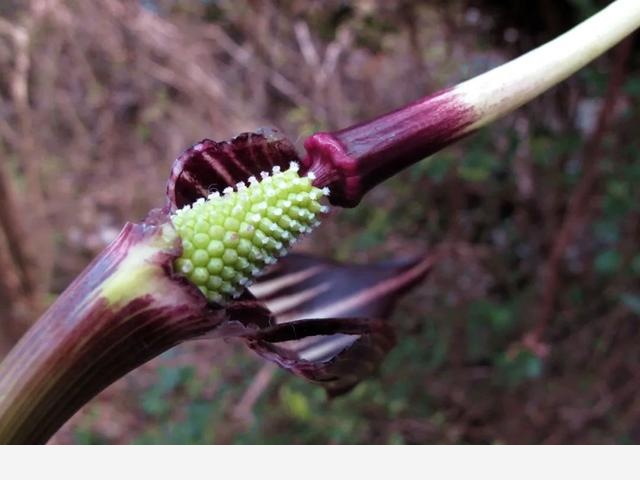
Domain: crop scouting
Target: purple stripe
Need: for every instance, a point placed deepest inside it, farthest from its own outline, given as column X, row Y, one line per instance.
column 354, row 160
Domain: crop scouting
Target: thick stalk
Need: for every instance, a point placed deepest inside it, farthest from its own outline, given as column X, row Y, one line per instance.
column 123, row 310
column 353, row 160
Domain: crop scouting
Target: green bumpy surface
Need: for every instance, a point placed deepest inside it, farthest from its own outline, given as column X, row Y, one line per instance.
column 228, row 239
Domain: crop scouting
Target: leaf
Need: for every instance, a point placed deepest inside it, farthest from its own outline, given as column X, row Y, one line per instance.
column 337, row 363
column 607, row 262
column 337, row 346
column 303, row 286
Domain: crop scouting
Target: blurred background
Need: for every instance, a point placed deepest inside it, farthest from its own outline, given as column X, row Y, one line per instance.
column 527, row 332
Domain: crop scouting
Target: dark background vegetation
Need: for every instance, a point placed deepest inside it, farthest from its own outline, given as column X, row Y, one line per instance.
column 527, row 332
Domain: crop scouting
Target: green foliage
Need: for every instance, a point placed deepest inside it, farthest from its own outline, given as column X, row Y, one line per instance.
column 632, row 302
column 489, row 324
column 514, row 368
column 607, row 262
column 155, row 401
column 478, row 163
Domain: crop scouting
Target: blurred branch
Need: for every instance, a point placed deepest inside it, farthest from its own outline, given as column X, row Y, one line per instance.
column 579, row 201
column 250, row 61
column 15, row 233
column 243, row 410
column 307, row 48
column 32, row 269
column 10, row 295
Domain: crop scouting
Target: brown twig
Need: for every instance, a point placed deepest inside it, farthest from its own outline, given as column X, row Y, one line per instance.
column 243, row 411
column 32, row 268
column 9, row 296
column 577, row 208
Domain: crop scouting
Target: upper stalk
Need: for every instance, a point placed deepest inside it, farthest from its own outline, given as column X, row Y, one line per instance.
column 353, row 160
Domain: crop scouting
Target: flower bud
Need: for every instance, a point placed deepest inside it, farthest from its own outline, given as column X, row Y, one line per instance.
column 227, row 239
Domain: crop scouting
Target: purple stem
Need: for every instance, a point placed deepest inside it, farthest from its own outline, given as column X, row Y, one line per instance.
column 353, row 160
